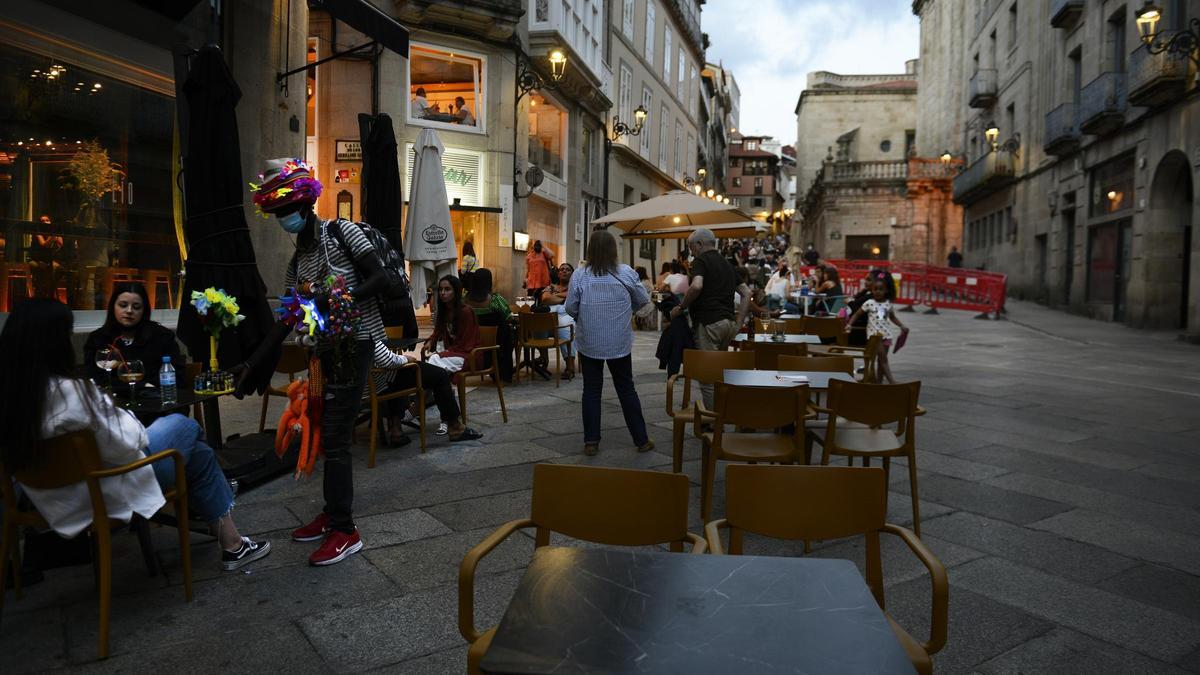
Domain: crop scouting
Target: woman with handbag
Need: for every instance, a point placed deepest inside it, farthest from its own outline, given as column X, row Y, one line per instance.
column 602, row 298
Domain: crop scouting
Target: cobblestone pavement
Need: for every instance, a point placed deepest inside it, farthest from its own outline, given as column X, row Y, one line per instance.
column 1059, row 482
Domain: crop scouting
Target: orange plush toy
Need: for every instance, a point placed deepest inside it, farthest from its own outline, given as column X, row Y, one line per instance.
column 296, row 420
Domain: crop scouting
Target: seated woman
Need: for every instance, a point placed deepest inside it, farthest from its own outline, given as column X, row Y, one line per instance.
column 830, row 286
column 455, row 332
column 491, row 309
column 41, row 398
column 433, row 379
column 555, row 297
column 127, row 326
column 676, row 282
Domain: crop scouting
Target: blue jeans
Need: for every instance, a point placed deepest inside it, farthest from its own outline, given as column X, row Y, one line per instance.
column 209, row 496
column 621, row 370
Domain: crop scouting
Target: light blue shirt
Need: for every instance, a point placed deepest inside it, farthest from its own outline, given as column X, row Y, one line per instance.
column 603, row 306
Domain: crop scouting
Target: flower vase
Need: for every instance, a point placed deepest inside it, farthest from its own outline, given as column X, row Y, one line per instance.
column 212, row 353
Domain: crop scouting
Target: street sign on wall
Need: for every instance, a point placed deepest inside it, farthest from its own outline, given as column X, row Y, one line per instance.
column 347, row 151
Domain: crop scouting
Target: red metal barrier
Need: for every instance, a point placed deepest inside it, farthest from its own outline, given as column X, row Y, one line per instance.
column 929, row 285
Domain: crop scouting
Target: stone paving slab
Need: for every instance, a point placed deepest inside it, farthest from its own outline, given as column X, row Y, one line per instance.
column 1066, row 652
column 1160, row 586
column 1132, row 539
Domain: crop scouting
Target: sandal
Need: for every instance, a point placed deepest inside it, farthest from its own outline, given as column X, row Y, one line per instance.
column 468, row 434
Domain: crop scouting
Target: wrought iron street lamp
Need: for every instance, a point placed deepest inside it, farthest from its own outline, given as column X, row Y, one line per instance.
column 622, row 129
column 947, row 157
column 529, row 79
column 1183, row 42
column 992, row 134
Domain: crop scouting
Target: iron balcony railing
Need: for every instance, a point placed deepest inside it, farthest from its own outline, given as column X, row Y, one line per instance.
column 1102, row 104
column 1156, row 79
column 983, row 88
column 1062, row 130
column 838, row 172
column 990, row 173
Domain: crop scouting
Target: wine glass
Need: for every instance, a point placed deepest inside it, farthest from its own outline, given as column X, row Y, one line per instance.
column 132, row 372
column 106, row 360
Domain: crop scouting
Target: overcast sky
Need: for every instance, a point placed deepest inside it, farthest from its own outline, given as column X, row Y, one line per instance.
column 772, row 45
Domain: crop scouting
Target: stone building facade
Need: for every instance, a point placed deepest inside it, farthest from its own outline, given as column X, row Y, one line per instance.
column 756, row 177
column 1084, row 194
column 862, row 190
column 656, row 53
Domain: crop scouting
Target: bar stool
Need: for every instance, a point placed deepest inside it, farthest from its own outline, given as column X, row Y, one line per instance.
column 111, row 276
column 10, row 272
column 154, row 279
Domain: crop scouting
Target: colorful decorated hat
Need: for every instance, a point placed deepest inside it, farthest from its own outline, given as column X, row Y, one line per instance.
column 285, row 181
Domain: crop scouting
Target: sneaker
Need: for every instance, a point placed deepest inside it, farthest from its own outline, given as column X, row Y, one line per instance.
column 337, row 547
column 442, row 429
column 647, row 447
column 248, row 552
column 314, row 530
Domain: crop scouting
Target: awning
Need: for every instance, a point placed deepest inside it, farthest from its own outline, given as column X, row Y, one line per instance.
column 367, row 19
column 725, row 231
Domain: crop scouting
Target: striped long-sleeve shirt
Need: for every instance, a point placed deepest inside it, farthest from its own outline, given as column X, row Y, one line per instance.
column 602, row 306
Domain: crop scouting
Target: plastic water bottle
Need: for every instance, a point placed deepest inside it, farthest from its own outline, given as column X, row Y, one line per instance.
column 166, row 381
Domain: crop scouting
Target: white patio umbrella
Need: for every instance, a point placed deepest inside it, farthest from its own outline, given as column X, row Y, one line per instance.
column 428, row 237
column 674, row 209
column 726, row 230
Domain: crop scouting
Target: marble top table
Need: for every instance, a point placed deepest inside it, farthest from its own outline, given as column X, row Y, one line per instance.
column 620, row 611
column 789, row 339
column 782, row 378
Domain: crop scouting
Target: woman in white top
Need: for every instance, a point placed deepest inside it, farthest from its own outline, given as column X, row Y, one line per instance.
column 676, row 282
column 41, row 398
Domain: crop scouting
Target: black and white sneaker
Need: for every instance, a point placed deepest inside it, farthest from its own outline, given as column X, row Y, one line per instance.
column 248, row 552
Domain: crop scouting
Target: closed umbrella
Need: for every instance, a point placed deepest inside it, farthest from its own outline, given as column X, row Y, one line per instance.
column 428, row 237
column 674, row 209
column 381, row 177
column 220, row 253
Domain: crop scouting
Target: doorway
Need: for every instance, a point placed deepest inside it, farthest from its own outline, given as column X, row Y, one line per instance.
column 1170, row 260
column 1069, row 258
column 1109, row 249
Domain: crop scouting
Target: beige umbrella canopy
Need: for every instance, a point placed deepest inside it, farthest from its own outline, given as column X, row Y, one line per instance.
column 726, row 230
column 674, row 209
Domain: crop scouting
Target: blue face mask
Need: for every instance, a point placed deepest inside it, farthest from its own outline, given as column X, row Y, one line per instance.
column 292, row 222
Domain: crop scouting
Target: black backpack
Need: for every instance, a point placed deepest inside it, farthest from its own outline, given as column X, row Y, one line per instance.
column 389, row 258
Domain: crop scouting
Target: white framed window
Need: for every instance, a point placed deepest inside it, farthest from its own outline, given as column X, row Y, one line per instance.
column 627, row 19
column 668, row 54
column 751, row 145
column 447, row 89
column 624, row 105
column 664, row 133
column 678, row 149
column 681, row 73
column 690, row 168
column 463, row 171
column 548, row 124
column 650, row 33
column 647, row 100
column 693, row 92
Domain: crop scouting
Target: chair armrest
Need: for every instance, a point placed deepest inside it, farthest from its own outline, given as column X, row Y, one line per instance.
column 941, row 587
column 671, row 395
column 699, row 414
column 712, row 532
column 820, row 409
column 126, row 468
column 699, row 545
column 466, row 575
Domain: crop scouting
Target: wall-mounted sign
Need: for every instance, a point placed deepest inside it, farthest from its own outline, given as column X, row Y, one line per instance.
column 506, row 216
column 347, row 151
column 835, row 235
column 462, row 171
column 346, row 175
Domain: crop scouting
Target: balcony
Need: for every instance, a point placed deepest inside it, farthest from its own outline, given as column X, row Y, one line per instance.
column 559, row 24
column 1102, row 105
column 991, row 173
column 983, row 88
column 1065, row 13
column 866, row 172
column 1062, row 130
column 1156, row 79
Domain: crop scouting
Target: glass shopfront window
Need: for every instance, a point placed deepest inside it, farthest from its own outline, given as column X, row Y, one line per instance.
column 86, row 192
column 547, row 136
column 1112, row 187
column 446, row 89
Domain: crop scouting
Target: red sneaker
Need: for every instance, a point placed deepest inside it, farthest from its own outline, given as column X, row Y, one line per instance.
column 337, row 547
column 313, row 531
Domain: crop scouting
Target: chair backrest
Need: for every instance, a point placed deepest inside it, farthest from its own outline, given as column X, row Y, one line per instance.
column 487, row 336
column 536, row 322
column 63, row 460
column 616, row 507
column 804, row 502
column 825, row 327
column 874, row 404
column 394, row 332
column 794, row 326
column 706, row 367
column 819, row 364
column 759, row 407
column 293, row 359
column 766, row 354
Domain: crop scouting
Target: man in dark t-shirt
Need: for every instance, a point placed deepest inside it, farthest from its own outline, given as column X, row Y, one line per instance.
column 709, row 299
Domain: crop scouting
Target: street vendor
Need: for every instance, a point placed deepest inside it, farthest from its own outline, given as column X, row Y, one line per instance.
column 288, row 192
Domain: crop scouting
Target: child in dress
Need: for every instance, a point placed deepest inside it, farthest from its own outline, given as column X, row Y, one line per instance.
column 878, row 310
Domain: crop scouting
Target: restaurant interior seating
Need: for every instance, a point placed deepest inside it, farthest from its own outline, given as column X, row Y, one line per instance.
column 699, row 367
column 857, row 422
column 613, row 507
column 822, row 503
column 75, row 458
column 10, row 275
column 767, row 429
